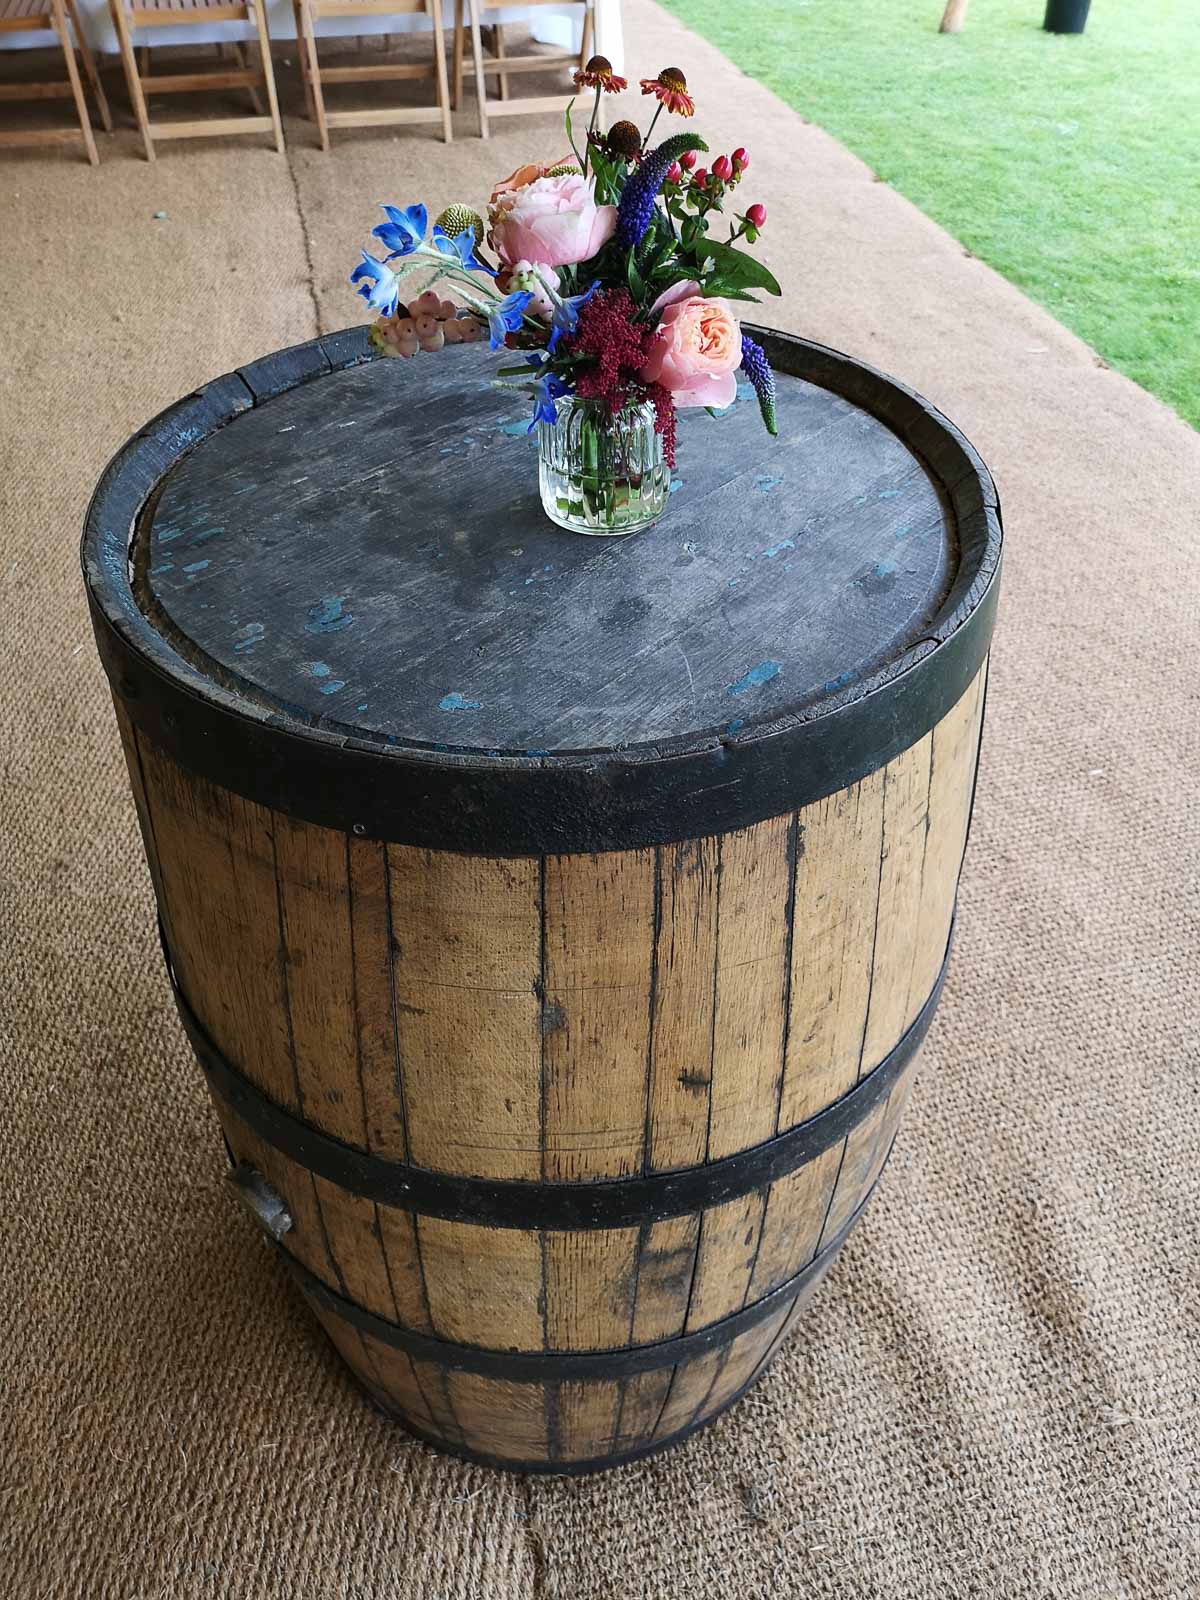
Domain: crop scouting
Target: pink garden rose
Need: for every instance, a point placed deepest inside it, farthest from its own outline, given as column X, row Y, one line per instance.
column 697, row 348
column 552, row 221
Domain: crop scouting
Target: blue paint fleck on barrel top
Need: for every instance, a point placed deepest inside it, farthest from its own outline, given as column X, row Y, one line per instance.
column 248, row 636
column 458, row 702
column 756, row 677
column 327, row 615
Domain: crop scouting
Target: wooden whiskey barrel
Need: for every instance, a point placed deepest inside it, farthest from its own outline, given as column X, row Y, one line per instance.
column 555, row 920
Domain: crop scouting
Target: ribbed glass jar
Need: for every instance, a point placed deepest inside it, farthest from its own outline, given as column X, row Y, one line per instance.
column 602, row 474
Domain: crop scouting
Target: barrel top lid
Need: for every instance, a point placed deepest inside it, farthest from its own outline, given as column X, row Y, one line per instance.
column 353, row 552
column 368, row 551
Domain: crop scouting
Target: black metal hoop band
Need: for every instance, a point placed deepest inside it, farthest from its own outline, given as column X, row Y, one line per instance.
column 561, row 1366
column 510, row 1203
column 560, row 1469
column 499, row 804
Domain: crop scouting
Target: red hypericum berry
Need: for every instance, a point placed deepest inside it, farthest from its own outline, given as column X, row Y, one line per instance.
column 700, row 177
column 674, row 173
column 741, row 158
column 757, row 216
column 723, row 168
column 687, row 160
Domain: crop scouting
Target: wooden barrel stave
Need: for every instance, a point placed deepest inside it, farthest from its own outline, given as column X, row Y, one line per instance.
column 280, row 940
column 328, row 999
column 501, row 1419
column 552, row 1425
column 457, row 1004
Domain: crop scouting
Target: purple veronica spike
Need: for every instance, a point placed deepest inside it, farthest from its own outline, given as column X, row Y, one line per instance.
column 758, row 369
column 636, row 206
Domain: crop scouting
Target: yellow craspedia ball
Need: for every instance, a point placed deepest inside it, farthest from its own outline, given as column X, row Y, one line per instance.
column 458, row 219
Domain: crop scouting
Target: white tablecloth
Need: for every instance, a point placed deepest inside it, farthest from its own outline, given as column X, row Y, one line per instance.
column 558, row 28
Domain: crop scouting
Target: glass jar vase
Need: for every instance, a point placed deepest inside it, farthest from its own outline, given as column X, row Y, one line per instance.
column 601, row 474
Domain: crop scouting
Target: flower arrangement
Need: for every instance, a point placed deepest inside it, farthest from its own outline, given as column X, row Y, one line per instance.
column 602, row 274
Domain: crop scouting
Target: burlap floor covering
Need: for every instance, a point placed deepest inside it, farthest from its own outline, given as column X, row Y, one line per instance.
column 996, row 1393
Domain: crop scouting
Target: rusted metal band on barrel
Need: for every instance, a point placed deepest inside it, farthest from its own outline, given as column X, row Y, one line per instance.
column 541, row 1366
column 511, row 1203
column 508, row 804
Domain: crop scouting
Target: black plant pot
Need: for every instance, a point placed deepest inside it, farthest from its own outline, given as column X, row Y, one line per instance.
column 1067, row 16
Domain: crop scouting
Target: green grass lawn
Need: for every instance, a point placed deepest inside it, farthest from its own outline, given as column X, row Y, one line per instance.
column 1070, row 164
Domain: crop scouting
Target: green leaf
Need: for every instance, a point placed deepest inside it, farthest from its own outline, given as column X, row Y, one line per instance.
column 637, row 284
column 734, row 269
column 571, row 137
column 608, row 186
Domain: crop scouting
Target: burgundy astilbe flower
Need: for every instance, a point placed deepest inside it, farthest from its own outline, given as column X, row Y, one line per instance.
column 665, row 419
column 607, row 332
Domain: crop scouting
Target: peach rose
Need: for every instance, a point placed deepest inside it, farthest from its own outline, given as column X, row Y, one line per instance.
column 529, row 173
column 554, row 222
column 697, row 348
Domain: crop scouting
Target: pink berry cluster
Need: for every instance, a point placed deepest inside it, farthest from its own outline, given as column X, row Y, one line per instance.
column 428, row 324
column 704, row 187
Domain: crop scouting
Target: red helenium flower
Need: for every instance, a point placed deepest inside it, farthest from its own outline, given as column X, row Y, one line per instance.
column 670, row 90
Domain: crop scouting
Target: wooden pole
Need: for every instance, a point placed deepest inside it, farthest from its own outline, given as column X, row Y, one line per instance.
column 954, row 16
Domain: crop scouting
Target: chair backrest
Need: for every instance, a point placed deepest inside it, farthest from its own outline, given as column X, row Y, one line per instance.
column 381, row 8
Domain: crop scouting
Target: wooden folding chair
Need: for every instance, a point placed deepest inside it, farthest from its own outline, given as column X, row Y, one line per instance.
column 130, row 14
column 501, row 65
column 51, row 16
column 316, row 76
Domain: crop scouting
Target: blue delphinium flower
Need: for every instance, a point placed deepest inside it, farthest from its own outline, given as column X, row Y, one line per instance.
column 381, row 288
column 403, row 231
column 566, row 315
column 506, row 316
column 462, row 248
column 546, row 391
column 636, row 207
column 758, row 369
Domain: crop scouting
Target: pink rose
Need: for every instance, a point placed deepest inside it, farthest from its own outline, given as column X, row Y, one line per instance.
column 697, row 348
column 552, row 221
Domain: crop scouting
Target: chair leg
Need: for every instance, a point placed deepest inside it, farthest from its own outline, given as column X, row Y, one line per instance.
column 477, row 65
column 456, row 84
column 587, row 46
column 243, row 61
column 314, row 72
column 587, row 34
column 89, row 67
column 498, row 40
column 264, row 50
column 434, row 8
column 302, row 62
column 58, row 19
column 132, row 82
